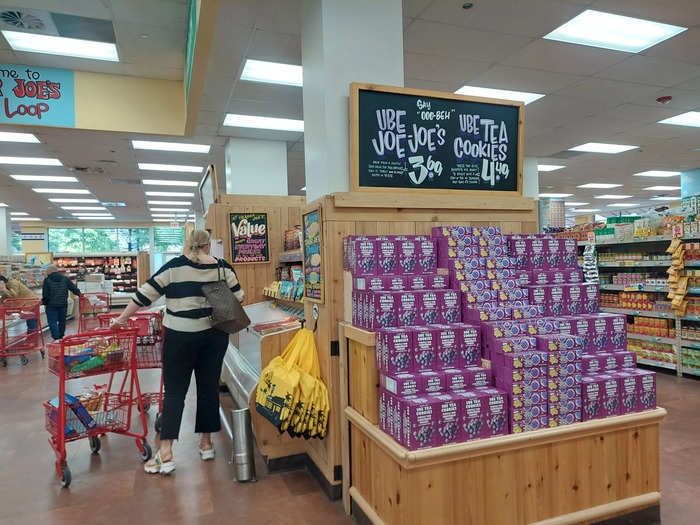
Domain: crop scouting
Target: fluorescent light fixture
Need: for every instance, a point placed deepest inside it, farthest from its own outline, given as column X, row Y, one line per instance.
column 76, row 201
column 303, row 188
column 147, row 166
column 3, row 205
column 167, row 194
column 8, row 136
column 669, row 198
column 84, row 208
column 165, row 203
column 19, row 213
column 170, row 146
column 623, row 205
column 555, row 195
column 91, row 213
column 182, row 210
column 160, row 182
column 549, row 167
column 191, row 216
column 575, row 203
column 691, row 118
column 599, row 186
column 272, row 73
column 586, row 210
column 58, row 45
column 662, row 188
column 252, row 121
column 114, row 204
column 88, row 218
column 183, row 214
column 168, row 220
column 657, row 173
column 503, row 94
column 61, row 190
column 44, row 178
column 22, row 219
column 612, row 197
column 30, row 161
column 600, row 147
column 621, row 33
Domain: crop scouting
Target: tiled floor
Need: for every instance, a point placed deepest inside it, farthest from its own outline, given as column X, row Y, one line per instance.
column 111, row 488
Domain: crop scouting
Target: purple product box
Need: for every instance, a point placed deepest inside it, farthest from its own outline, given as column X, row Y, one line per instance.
column 428, row 307
column 558, row 342
column 403, row 384
column 540, row 277
column 506, row 345
column 600, row 396
column 502, row 274
column 520, row 360
column 455, row 232
column 538, row 256
column 566, row 325
column 553, row 254
column 419, row 420
column 582, row 326
column 448, row 253
column 484, row 412
column 384, row 412
column 428, row 281
column 517, row 401
column 609, row 331
column 626, row 359
column 450, row 304
column 537, row 294
column 486, row 313
column 448, row 346
column 427, row 255
column 526, row 392
column 477, row 286
column 382, row 312
column 387, row 256
column 469, row 344
column 572, row 393
column 449, row 429
column 569, row 250
column 573, row 276
column 637, row 390
column 379, row 283
column 363, row 257
column 515, row 294
column 395, row 350
column 521, row 374
column 506, row 328
column 457, row 379
column 431, row 382
column 523, row 277
column 518, row 427
column 519, row 249
column 407, row 251
column 438, row 281
column 479, row 297
column 407, row 308
column 426, row 342
column 457, row 277
column 528, row 413
column 565, row 419
column 543, row 326
column 565, row 370
column 555, row 299
column 590, row 297
column 608, row 361
column 574, row 299
column 505, row 284
column 528, row 312
column 592, row 364
column 563, row 382
column 565, row 356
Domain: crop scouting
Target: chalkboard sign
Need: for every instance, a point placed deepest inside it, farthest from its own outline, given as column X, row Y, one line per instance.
column 249, row 238
column 410, row 139
column 312, row 243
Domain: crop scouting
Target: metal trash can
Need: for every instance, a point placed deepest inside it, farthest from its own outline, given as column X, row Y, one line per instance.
column 243, row 459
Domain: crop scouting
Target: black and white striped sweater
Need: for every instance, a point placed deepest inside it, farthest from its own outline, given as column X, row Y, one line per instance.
column 181, row 280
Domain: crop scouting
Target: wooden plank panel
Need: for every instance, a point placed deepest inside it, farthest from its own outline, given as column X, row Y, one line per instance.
column 399, row 200
column 366, row 228
column 364, row 381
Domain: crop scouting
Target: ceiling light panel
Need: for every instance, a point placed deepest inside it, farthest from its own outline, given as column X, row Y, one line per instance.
column 58, row 45
column 612, row 197
column 147, row 166
column 160, row 182
column 61, row 190
column 599, row 186
column 166, row 203
column 502, row 94
column 623, row 205
column 88, row 218
column 662, row 188
column 30, row 161
column 75, row 201
column 183, row 210
column 586, row 210
column 691, row 118
column 272, row 73
column 657, row 173
column 18, row 213
column 170, row 146
column 609, row 31
column 601, row 147
column 549, row 167
column 167, row 220
column 555, row 195
column 252, row 121
column 168, row 194
column 22, row 219
column 44, row 178
column 575, row 203
column 669, row 198
column 8, row 136
column 84, row 208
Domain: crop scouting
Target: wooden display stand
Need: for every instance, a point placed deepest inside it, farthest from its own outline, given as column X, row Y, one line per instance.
column 369, row 213
column 579, row 473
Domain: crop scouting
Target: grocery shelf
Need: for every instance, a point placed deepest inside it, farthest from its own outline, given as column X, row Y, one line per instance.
column 690, row 344
column 691, row 318
column 638, row 240
column 651, row 338
column 654, row 362
column 641, row 313
column 628, row 264
column 691, row 264
column 636, row 288
column 691, row 371
column 291, row 256
column 693, row 289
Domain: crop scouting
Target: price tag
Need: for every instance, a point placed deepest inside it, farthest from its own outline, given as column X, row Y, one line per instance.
column 629, row 263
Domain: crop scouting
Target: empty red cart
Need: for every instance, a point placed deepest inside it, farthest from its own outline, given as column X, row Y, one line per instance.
column 22, row 333
column 92, row 304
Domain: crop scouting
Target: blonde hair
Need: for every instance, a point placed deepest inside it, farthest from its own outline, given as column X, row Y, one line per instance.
column 197, row 240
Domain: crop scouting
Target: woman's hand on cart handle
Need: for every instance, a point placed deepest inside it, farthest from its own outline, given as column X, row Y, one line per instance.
column 118, row 322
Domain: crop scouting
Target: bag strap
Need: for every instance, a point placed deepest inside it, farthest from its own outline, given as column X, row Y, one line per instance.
column 218, row 270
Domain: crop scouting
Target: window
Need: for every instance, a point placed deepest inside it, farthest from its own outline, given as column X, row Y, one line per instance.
column 134, row 239
column 100, row 240
column 16, row 242
column 168, row 239
column 65, row 240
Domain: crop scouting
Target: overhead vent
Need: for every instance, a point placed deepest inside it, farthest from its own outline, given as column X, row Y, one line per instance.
column 125, row 181
column 22, row 20
column 566, row 154
column 56, row 24
column 107, row 161
column 89, row 170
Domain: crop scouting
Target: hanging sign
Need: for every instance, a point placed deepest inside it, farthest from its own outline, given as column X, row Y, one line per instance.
column 249, row 238
column 36, row 96
column 427, row 140
column 32, row 236
column 312, row 242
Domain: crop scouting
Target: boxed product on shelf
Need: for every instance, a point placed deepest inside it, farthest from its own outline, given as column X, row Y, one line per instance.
column 637, row 390
column 395, row 349
column 407, row 384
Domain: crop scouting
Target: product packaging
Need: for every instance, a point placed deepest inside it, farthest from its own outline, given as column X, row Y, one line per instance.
column 395, row 349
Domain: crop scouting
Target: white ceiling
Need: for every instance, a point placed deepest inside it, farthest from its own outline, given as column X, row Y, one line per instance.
column 592, row 95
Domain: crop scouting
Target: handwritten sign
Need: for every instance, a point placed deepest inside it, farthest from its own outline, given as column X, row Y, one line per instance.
column 312, row 241
column 36, row 96
column 405, row 139
column 249, row 238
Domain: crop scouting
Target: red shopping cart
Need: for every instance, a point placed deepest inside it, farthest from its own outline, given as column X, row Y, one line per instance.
column 149, row 353
column 70, row 418
column 91, row 305
column 22, row 333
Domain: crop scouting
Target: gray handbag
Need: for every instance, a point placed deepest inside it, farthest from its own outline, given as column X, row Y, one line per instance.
column 227, row 314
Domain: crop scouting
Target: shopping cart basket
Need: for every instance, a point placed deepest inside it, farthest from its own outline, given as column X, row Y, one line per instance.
column 91, row 305
column 22, row 333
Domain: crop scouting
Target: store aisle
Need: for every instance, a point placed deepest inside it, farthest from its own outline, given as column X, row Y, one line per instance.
column 111, row 488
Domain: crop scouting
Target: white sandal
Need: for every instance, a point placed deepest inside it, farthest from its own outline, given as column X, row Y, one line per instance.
column 207, row 454
column 160, row 467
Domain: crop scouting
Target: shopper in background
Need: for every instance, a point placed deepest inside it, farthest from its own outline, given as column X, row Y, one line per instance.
column 190, row 343
column 15, row 289
column 54, row 296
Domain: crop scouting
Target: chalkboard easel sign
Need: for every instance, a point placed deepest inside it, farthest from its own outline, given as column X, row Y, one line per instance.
column 312, row 255
column 249, row 238
column 408, row 140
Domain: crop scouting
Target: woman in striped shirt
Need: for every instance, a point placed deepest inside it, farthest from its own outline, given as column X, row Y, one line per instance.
column 190, row 343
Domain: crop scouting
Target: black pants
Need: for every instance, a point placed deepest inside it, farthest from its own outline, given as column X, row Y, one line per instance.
column 56, row 317
column 183, row 353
